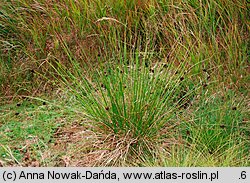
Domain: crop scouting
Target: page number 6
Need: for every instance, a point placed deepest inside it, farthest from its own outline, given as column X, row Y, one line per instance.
column 243, row 175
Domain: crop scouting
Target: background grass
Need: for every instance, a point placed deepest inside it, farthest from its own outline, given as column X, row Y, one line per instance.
column 129, row 83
